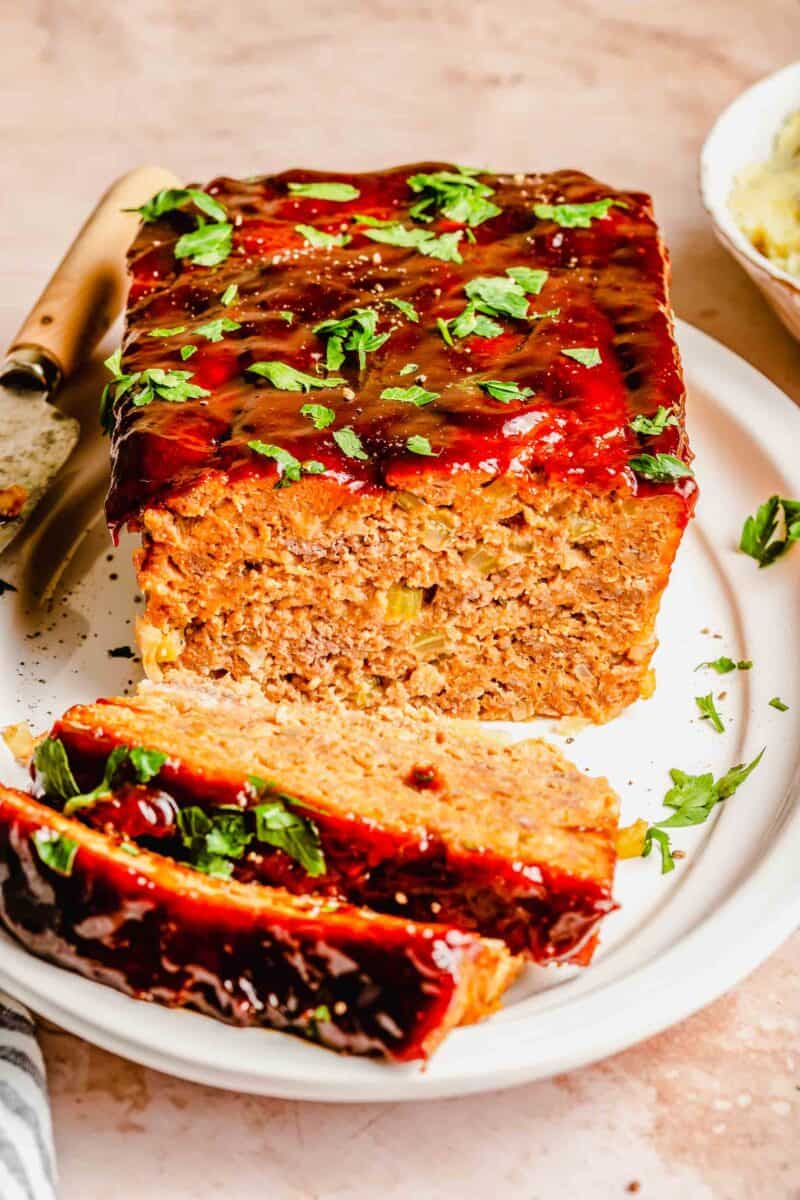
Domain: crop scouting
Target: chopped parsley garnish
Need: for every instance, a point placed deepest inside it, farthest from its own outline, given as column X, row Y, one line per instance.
column 164, row 333
column 319, row 415
column 278, row 826
column 409, row 369
column 500, row 295
column 661, row 468
column 349, row 443
column 662, row 840
column 213, row 330
column 724, row 665
column 771, row 531
column 53, row 770
column 354, row 333
column 56, row 850
column 653, row 426
column 285, row 314
column 324, row 191
column 229, row 295
column 420, row 445
column 170, row 199
column 287, row 379
column 319, row 238
column 468, row 323
column 187, row 352
column 776, row 702
column 406, row 308
column 206, row 246
column 56, row 778
column 531, row 279
column 576, row 216
column 415, row 395
column 587, row 356
column 145, row 386
column 444, row 247
column 213, row 839
column 457, row 195
column 290, row 469
column 504, row 390
column 708, row 711
column 693, row 798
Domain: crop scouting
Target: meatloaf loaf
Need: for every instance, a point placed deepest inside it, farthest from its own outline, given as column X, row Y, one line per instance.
column 250, row 955
column 407, row 436
column 415, row 817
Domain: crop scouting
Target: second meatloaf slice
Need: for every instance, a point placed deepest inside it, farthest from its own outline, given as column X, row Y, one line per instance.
column 417, row 817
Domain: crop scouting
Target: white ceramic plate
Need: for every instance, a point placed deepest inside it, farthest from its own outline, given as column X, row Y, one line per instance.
column 677, row 941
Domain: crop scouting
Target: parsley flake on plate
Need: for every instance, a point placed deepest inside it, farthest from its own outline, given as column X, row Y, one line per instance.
column 420, row 445
column 229, row 295
column 771, row 531
column 724, row 665
column 502, row 296
column 320, row 239
column 468, row 323
column 290, row 469
column 576, row 216
column 319, row 415
column 415, row 395
column 661, row 838
column 653, row 426
column 661, row 468
column 288, row 379
column 530, row 279
column 587, row 356
column 188, row 351
column 324, row 191
column 776, row 702
column 409, row 369
column 457, row 195
column 356, row 333
column 56, row 850
column 708, row 711
column 349, row 443
column 504, row 390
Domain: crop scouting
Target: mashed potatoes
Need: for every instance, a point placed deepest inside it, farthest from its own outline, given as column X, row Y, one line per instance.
column 765, row 200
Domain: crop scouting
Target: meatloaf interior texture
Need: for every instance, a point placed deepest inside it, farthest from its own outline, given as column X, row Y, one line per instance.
column 417, row 817
column 473, row 524
column 249, row 955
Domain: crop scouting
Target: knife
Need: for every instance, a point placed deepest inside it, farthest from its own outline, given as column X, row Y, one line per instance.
column 75, row 310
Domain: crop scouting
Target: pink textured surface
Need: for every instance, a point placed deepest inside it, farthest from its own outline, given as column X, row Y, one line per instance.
column 709, row 1109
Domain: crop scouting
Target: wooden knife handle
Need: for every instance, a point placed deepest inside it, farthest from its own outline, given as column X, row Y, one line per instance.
column 87, row 290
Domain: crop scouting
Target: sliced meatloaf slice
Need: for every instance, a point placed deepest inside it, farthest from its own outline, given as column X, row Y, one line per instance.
column 413, row 436
column 426, row 818
column 249, row 955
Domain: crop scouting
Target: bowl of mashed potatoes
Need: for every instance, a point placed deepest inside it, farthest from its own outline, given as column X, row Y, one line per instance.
column 750, row 180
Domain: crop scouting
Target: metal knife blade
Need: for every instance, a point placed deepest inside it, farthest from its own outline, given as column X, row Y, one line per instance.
column 35, row 442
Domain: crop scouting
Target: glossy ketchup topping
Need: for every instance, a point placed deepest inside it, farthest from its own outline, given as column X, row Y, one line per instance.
column 605, row 290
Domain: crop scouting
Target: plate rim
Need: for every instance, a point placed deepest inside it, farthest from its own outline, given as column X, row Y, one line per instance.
column 742, row 944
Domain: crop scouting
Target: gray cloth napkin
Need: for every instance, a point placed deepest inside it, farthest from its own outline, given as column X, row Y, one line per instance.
column 27, row 1159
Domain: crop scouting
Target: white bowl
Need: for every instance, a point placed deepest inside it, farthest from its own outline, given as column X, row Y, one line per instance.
column 744, row 133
